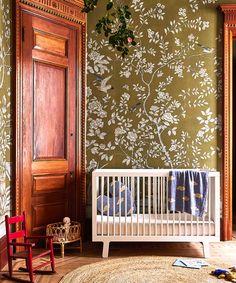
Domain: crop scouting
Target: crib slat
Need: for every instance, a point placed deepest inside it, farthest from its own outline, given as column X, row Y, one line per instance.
column 108, row 207
column 131, row 204
column 166, row 208
column 102, row 194
column 204, row 215
column 138, row 204
column 114, row 223
column 203, row 225
column 191, row 232
column 155, row 197
column 144, row 233
column 185, row 224
column 197, row 226
column 119, row 205
column 159, row 195
column 162, row 197
column 209, row 207
column 149, row 205
column 126, row 184
column 173, row 213
column 179, row 234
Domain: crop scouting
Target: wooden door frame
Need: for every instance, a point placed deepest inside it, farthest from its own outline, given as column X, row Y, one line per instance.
column 68, row 13
column 229, row 11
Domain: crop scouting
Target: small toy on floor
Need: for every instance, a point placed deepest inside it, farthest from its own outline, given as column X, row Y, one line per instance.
column 224, row 273
column 233, row 268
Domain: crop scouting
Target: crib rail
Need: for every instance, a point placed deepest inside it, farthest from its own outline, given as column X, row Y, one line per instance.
column 140, row 211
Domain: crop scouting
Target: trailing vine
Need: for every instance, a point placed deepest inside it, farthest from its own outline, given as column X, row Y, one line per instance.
column 120, row 36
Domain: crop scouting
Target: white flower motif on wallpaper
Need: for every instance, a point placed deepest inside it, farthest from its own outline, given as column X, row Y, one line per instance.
column 165, row 85
column 5, row 138
column 5, row 48
column 194, row 4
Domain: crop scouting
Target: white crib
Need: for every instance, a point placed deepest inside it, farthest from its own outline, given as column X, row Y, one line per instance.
column 152, row 220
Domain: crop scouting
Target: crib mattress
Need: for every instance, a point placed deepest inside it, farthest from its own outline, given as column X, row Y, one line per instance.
column 176, row 224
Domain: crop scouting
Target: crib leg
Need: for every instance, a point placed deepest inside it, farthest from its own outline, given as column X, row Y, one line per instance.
column 105, row 250
column 206, row 249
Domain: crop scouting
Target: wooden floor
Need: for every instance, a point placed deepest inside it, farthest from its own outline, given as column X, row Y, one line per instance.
column 226, row 251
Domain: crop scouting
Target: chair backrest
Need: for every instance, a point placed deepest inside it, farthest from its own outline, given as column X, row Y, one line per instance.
column 19, row 223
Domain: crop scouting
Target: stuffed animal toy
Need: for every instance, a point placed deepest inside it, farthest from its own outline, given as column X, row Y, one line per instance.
column 120, row 198
column 219, row 273
column 224, row 273
column 66, row 221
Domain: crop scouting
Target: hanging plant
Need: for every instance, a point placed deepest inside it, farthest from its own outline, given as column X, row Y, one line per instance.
column 114, row 25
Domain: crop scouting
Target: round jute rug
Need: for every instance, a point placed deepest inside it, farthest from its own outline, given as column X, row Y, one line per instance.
column 144, row 269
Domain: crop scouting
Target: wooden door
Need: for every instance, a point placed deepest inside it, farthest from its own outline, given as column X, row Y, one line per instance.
column 48, row 121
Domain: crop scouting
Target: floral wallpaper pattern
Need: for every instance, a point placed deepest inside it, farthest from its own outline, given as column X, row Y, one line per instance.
column 157, row 108
column 5, row 139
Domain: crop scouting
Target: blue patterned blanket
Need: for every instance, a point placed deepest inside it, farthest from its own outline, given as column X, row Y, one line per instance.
column 188, row 191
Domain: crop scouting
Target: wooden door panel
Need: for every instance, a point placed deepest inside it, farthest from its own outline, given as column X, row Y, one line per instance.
column 50, row 110
column 47, row 213
column 53, row 166
column 50, row 43
column 50, row 58
column 48, row 183
column 49, row 95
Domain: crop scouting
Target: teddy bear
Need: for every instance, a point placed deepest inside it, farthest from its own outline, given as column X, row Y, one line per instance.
column 66, row 221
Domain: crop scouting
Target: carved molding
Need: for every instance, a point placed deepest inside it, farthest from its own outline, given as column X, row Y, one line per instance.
column 227, row 151
column 69, row 9
column 229, row 11
column 228, row 8
column 18, row 122
column 79, row 3
column 83, row 126
column 231, row 25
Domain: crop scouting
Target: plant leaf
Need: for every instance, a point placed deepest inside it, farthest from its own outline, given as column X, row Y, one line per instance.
column 109, row 5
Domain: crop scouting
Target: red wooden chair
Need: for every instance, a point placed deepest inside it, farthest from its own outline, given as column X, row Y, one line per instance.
column 29, row 253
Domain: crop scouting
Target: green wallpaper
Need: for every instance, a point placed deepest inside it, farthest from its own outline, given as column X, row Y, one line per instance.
column 5, row 91
column 161, row 107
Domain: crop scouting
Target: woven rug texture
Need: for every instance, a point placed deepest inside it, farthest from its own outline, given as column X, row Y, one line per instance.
column 148, row 269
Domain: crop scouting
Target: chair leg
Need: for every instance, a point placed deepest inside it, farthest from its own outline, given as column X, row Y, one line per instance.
column 10, row 267
column 52, row 263
column 52, row 256
column 29, row 264
column 30, row 270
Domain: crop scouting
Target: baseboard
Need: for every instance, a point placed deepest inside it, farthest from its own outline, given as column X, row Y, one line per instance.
column 3, row 252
